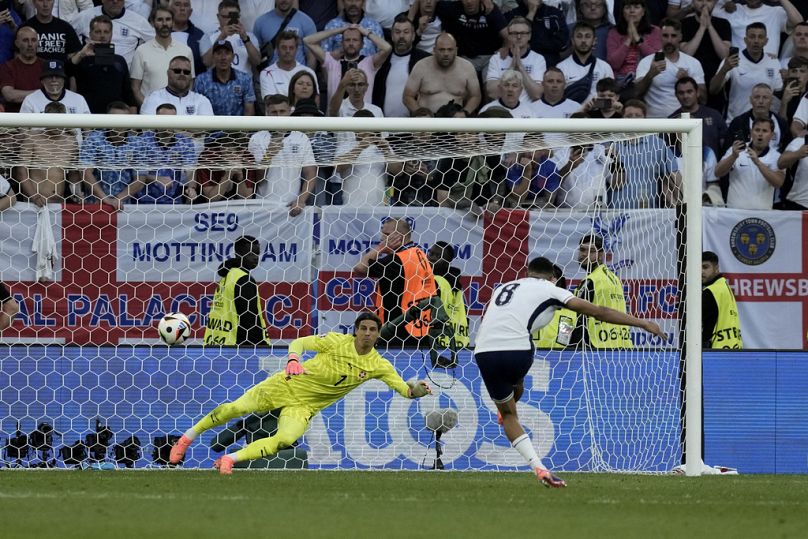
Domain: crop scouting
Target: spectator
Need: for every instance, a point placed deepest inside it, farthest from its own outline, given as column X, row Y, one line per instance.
column 287, row 157
column 753, row 169
column 364, row 174
column 582, row 68
column 553, row 104
column 776, row 19
column 632, row 38
column 442, row 77
column 221, row 174
column 594, row 13
column 385, row 11
column 323, row 145
column 427, row 24
column 20, row 75
column 721, row 326
column 606, row 103
column 169, row 158
column 101, row 79
column 320, row 11
column 178, row 92
column 303, row 85
column 388, row 88
column 510, row 90
column 353, row 14
column 800, row 37
column 355, row 84
column 8, row 305
column 57, row 39
column 450, row 289
column 584, row 178
column 713, row 127
column 275, row 78
column 229, row 90
column 284, row 20
column 752, row 66
column 108, row 154
column 337, row 63
column 516, row 54
column 187, row 30
column 9, row 22
column 52, row 90
column 7, row 196
column 129, row 29
column 706, row 37
column 741, row 126
column 205, row 14
column 478, row 29
column 656, row 77
column 403, row 277
column 645, row 173
column 794, row 86
column 533, row 180
column 54, row 150
column 796, row 153
column 234, row 30
column 68, row 9
column 149, row 67
column 550, row 34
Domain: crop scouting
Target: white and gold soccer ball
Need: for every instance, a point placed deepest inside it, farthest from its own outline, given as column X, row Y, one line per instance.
column 174, row 328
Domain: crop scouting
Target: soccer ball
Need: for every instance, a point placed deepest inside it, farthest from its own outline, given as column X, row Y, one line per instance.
column 174, row 328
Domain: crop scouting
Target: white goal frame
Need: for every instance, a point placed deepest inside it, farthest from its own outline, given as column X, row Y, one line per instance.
column 689, row 129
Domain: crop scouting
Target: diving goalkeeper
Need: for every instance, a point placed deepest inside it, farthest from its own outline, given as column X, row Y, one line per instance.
column 301, row 390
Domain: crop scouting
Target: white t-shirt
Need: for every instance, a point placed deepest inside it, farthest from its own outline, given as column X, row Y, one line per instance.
column 522, row 110
column 661, row 97
column 748, row 189
column 801, row 114
column 5, row 187
column 275, row 80
column 799, row 191
column 583, row 185
column 345, row 140
column 37, row 101
column 281, row 183
column 128, row 31
column 191, row 104
column 205, row 11
column 394, row 90
column 384, row 11
column 241, row 58
column 562, row 109
column 150, row 63
column 516, row 310
column 774, row 18
column 429, row 36
column 744, row 77
column 574, row 71
column 533, row 62
column 365, row 185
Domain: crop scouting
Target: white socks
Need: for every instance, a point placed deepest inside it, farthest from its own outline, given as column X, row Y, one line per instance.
column 191, row 434
column 528, row 452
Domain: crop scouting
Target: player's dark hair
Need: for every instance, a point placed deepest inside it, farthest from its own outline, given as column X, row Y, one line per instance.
column 594, row 239
column 558, row 273
column 367, row 316
column 709, row 256
column 540, row 266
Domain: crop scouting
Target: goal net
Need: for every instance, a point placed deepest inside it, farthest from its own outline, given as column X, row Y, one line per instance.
column 121, row 219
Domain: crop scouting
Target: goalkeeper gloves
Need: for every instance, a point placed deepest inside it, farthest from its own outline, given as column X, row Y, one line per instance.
column 419, row 389
column 293, row 366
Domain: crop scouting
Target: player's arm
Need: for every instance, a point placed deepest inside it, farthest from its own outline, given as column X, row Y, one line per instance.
column 312, row 343
column 9, row 310
column 409, row 390
column 605, row 314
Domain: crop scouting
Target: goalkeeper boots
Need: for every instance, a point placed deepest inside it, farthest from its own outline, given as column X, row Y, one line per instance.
column 549, row 480
column 224, row 465
column 179, row 449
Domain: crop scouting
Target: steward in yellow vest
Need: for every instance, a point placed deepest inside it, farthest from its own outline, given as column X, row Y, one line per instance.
column 721, row 325
column 447, row 279
column 236, row 316
column 558, row 332
column 600, row 287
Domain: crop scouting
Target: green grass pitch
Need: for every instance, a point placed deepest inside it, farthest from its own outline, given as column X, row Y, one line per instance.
column 257, row 504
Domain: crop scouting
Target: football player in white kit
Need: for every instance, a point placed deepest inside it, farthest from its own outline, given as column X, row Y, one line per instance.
column 504, row 348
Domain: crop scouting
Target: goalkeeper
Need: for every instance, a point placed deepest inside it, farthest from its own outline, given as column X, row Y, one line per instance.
column 301, row 390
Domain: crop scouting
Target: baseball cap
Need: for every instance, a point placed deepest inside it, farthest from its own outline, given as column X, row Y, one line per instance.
column 222, row 44
column 306, row 107
column 53, row 67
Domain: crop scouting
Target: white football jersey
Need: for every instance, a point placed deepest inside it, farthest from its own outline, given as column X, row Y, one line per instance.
column 515, row 311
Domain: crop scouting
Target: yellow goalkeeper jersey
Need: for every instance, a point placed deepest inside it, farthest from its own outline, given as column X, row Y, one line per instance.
column 337, row 369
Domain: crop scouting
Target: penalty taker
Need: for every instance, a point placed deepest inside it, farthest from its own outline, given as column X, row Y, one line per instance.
column 301, row 390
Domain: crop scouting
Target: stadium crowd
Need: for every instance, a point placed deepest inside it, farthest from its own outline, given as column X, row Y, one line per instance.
column 740, row 66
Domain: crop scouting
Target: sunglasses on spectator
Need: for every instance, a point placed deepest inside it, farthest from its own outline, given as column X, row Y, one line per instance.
column 178, row 71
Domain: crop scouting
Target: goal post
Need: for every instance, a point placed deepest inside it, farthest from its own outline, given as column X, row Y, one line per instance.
column 487, row 236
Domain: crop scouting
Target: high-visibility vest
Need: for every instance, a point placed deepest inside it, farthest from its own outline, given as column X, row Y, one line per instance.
column 222, row 328
column 455, row 309
column 419, row 283
column 548, row 336
column 727, row 331
column 608, row 293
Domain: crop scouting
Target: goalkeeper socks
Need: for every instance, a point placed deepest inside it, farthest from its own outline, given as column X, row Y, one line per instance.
column 191, row 434
column 528, row 452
